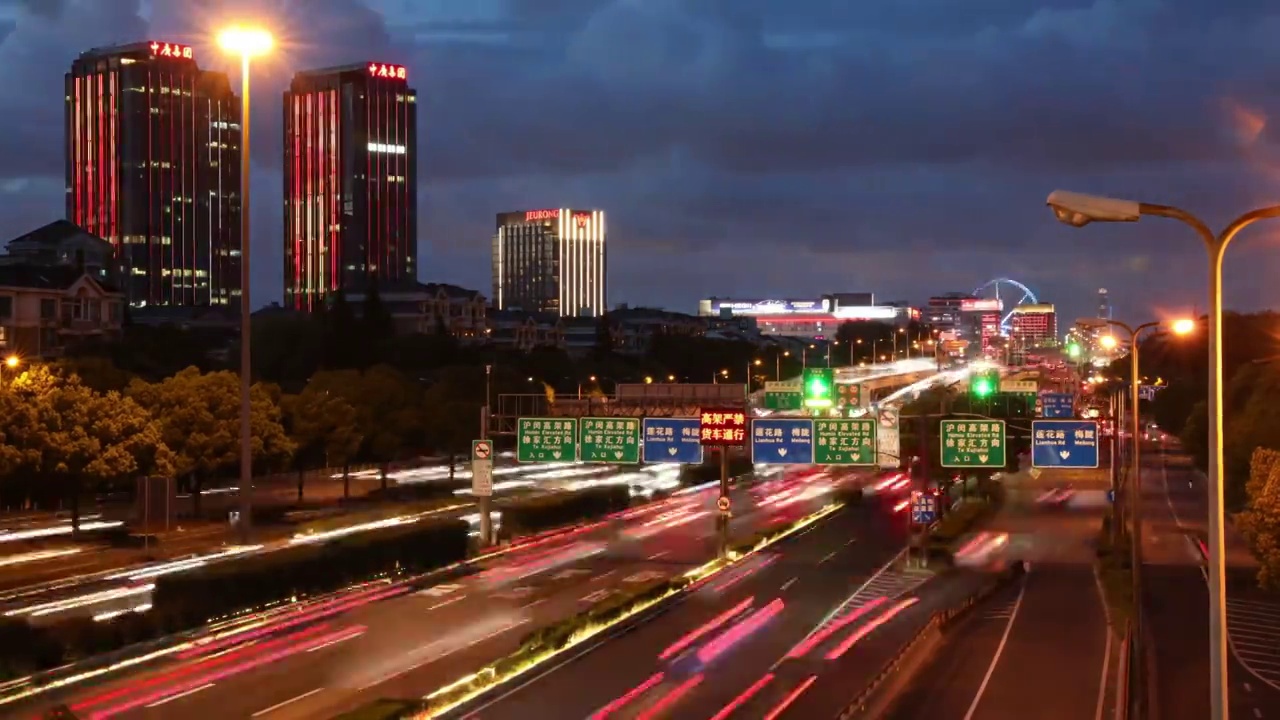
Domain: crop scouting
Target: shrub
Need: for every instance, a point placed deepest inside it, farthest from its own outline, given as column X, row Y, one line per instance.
column 192, row 598
column 530, row 515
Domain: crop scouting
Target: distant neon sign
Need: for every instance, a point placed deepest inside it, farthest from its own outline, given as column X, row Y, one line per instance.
column 581, row 219
column 383, row 70
column 172, row 50
column 536, row 215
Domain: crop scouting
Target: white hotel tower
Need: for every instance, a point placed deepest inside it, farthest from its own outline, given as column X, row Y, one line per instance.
column 553, row 261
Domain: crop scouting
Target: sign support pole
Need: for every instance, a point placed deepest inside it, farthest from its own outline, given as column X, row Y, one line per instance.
column 484, row 501
column 722, row 517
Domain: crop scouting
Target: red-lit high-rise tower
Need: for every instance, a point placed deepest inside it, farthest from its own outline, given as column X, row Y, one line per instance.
column 153, row 167
column 350, row 181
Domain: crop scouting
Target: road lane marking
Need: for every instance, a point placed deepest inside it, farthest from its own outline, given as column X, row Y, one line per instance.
column 171, row 698
column 450, row 601
column 277, row 706
column 1257, row 713
column 439, row 590
column 828, row 556
column 1004, row 639
column 850, row 542
column 331, row 643
column 789, row 583
column 596, row 596
column 1248, row 687
column 434, row 658
column 658, row 555
column 532, row 604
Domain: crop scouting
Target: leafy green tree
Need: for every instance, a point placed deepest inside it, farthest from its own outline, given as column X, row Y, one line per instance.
column 75, row 439
column 287, row 350
column 376, row 325
column 1252, row 420
column 342, row 347
column 199, row 417
column 324, row 426
column 452, row 404
column 388, row 410
column 95, row 371
column 1259, row 522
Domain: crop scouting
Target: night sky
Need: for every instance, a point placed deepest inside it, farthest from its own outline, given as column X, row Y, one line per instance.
column 780, row 148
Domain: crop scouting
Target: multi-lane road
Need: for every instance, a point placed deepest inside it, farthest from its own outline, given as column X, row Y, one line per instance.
column 1040, row 647
column 1176, row 601
column 794, row 633
column 417, row 639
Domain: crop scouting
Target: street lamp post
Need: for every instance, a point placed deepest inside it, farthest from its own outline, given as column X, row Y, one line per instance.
column 1079, row 210
column 247, row 43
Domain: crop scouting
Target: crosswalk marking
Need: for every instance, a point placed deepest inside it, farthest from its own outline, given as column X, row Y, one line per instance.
column 887, row 584
column 1254, row 627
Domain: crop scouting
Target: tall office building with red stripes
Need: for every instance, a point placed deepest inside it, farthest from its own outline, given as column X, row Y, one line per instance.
column 153, row 167
column 350, row 181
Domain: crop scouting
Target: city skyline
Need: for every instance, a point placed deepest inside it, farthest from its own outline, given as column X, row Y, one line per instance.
column 692, row 220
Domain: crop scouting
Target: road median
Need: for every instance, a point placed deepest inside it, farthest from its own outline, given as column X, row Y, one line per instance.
column 551, row 642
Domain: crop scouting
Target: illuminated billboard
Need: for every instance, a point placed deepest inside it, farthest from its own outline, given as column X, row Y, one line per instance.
column 981, row 305
column 383, row 70
column 768, row 307
column 172, row 50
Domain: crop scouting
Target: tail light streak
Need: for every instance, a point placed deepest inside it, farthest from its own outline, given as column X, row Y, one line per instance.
column 737, row 633
column 692, row 637
column 817, row 638
column 870, row 627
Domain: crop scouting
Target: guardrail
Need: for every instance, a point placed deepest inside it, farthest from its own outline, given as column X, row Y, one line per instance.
column 1124, row 676
column 874, row 699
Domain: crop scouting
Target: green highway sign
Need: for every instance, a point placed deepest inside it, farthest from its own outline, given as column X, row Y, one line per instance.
column 844, row 441
column 783, row 400
column 611, row 440
column 547, row 440
column 978, row 443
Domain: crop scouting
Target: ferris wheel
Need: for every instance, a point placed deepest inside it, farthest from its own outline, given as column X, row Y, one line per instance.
column 1011, row 292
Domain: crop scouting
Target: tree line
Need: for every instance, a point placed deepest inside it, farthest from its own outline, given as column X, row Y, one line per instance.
column 63, row 439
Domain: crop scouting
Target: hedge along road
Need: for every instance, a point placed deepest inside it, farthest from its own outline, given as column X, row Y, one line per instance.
column 407, row 646
column 110, row 569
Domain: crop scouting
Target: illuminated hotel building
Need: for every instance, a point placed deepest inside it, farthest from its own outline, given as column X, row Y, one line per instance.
column 350, row 181
column 553, row 261
column 153, row 167
column 1034, row 326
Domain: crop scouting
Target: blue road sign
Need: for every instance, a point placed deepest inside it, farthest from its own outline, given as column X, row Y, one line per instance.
column 1058, row 405
column 1064, row 444
column 924, row 508
column 782, row 441
column 672, row 440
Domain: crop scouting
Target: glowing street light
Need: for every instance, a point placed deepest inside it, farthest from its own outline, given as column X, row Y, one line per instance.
column 1079, row 210
column 12, row 362
column 247, row 42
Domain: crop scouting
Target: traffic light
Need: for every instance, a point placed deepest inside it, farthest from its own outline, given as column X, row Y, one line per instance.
column 819, row 387
column 983, row 384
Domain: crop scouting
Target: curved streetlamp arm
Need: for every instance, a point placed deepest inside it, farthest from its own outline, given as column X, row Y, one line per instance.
column 1175, row 213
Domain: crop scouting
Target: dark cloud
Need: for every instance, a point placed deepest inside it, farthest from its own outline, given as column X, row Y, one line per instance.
column 760, row 146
